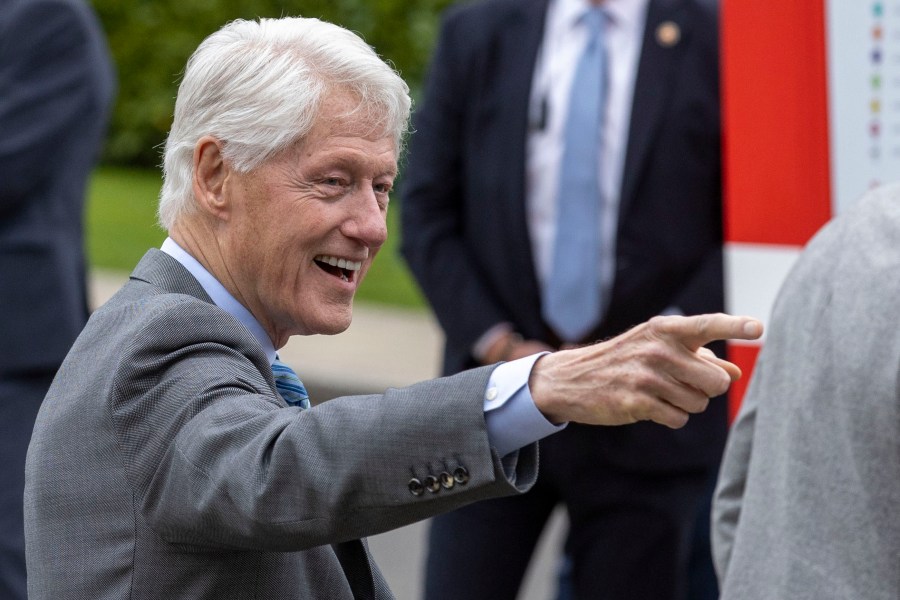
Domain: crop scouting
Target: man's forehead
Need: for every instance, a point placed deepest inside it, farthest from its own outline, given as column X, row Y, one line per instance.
column 353, row 127
column 350, row 139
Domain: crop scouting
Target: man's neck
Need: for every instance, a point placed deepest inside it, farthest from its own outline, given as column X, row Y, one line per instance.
column 218, row 292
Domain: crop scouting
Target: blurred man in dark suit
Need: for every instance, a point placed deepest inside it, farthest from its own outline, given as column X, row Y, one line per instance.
column 56, row 89
column 512, row 263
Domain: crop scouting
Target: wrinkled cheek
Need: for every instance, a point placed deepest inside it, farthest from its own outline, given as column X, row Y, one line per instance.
column 290, row 274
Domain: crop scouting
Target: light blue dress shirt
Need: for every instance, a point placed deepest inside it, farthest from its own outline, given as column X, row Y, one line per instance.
column 512, row 419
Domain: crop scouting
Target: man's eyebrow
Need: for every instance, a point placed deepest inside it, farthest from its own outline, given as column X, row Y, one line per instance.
column 382, row 168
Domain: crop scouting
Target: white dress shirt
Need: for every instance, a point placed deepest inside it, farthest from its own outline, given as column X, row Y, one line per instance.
column 512, row 419
column 565, row 36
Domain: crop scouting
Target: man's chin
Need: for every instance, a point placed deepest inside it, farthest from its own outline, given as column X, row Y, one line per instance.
column 334, row 322
column 334, row 331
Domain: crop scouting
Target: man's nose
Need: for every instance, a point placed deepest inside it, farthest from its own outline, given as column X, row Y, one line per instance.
column 368, row 221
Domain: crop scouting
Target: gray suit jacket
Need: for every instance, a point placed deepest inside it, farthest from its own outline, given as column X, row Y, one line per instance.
column 808, row 500
column 165, row 465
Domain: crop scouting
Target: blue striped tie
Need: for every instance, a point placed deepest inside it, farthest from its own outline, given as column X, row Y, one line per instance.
column 289, row 385
column 571, row 299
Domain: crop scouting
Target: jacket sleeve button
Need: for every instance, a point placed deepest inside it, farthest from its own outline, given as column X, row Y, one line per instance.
column 447, row 480
column 461, row 475
column 415, row 487
column 432, row 484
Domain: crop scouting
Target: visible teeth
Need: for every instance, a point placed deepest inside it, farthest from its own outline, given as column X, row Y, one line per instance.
column 341, row 263
column 344, row 277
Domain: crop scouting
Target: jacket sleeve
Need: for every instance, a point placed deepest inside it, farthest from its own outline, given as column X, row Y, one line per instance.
column 216, row 459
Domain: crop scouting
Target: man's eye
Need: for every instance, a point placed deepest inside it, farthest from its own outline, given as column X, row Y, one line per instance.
column 332, row 181
column 383, row 188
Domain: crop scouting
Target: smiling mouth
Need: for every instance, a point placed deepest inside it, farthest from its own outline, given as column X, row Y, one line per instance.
column 345, row 270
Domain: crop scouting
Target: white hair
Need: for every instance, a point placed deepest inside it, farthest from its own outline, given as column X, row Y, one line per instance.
column 258, row 86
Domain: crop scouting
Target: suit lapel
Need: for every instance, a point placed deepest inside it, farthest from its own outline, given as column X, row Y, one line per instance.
column 652, row 91
column 516, row 52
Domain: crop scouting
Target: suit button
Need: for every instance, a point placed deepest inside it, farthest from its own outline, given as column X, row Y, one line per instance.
column 461, row 475
column 447, row 480
column 415, row 487
column 432, row 484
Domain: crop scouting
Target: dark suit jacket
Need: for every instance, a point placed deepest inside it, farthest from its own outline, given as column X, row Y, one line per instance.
column 465, row 234
column 165, row 465
column 56, row 87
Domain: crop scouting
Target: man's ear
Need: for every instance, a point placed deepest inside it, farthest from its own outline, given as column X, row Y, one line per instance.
column 210, row 173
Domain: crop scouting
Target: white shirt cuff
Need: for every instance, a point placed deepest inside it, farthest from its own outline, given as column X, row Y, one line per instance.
column 512, row 419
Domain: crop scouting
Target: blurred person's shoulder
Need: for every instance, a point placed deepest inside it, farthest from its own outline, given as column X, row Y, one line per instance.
column 489, row 12
column 72, row 17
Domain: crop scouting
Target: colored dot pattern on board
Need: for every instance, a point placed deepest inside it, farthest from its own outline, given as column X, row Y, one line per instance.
column 877, row 32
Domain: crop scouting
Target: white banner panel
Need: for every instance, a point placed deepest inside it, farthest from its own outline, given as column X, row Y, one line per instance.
column 753, row 275
column 863, row 47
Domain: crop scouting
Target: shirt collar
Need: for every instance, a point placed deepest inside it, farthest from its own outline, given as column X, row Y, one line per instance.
column 627, row 14
column 220, row 295
column 622, row 13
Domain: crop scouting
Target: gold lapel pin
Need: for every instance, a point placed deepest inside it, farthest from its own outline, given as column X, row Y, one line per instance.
column 668, row 34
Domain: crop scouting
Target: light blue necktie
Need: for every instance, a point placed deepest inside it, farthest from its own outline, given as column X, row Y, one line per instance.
column 572, row 291
column 289, row 385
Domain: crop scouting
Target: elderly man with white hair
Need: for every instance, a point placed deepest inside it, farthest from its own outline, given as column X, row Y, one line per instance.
column 177, row 457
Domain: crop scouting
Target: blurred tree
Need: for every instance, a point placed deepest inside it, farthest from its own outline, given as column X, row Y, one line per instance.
column 152, row 39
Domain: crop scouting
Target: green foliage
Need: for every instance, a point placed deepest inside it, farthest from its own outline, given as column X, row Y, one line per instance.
column 151, row 40
column 121, row 226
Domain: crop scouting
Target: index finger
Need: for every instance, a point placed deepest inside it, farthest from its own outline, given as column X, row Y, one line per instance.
column 696, row 331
